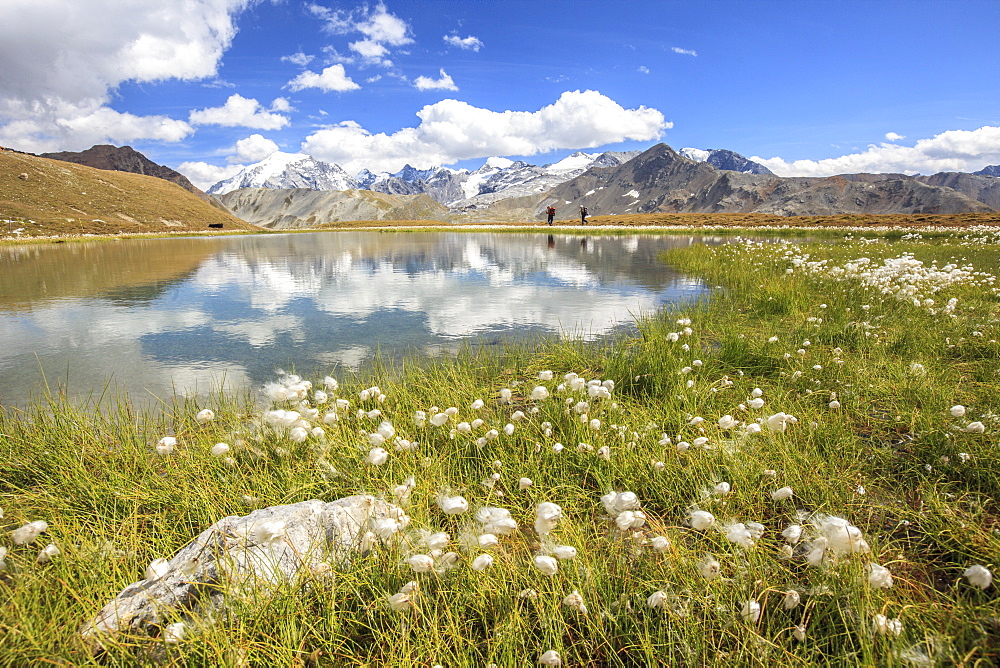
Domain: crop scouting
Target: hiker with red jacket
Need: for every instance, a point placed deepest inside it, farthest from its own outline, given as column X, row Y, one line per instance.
column 550, row 211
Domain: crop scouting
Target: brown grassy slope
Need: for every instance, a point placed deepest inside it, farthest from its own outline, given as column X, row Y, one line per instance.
column 63, row 198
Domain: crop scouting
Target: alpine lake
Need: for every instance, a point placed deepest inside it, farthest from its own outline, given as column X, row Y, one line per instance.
column 158, row 317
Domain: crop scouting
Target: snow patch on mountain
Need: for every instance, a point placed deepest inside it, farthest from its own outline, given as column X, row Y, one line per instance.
column 696, row 154
column 288, row 170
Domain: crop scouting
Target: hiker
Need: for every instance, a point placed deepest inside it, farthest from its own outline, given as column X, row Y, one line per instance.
column 583, row 215
column 551, row 213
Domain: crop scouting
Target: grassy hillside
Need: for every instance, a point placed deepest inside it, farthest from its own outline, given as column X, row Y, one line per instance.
column 49, row 197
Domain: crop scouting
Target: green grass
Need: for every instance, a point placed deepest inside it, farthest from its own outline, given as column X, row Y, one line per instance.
column 929, row 508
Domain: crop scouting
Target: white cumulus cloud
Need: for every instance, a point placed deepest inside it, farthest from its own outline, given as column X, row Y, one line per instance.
column 205, row 175
column 333, row 78
column 443, row 82
column 452, row 130
column 78, row 126
column 684, row 52
column 380, row 30
column 61, row 61
column 469, row 43
column 239, row 111
column 253, row 149
column 951, row 151
column 892, row 136
column 301, row 59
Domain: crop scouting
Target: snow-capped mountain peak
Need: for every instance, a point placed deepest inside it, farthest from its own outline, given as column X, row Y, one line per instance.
column 696, row 154
column 288, row 170
column 577, row 161
column 723, row 159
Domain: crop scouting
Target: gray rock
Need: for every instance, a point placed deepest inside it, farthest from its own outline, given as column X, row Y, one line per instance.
column 249, row 555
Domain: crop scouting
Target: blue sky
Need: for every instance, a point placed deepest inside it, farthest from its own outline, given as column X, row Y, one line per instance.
column 209, row 85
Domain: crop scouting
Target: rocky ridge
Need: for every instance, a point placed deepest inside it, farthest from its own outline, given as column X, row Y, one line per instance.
column 296, row 208
column 662, row 180
column 127, row 159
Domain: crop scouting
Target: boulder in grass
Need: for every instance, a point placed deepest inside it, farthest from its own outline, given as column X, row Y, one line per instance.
column 251, row 554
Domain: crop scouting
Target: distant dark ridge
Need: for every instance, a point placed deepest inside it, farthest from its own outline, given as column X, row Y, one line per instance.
column 127, row 159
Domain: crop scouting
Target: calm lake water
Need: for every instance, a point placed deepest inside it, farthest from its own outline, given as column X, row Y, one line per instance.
column 192, row 314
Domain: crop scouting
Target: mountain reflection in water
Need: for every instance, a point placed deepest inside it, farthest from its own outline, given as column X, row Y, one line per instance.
column 160, row 315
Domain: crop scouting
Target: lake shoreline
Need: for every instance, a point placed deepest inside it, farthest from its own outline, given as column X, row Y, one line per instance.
column 639, row 223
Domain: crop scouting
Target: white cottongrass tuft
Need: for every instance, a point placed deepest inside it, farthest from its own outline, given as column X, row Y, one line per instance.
column 420, row 563
column 205, row 416
column 165, row 446
column 546, row 564
column 978, row 576
column 564, row 552
column 616, row 503
column 700, row 520
column 737, row 532
column 885, row 626
column 524, row 483
column 750, row 612
column 792, row 533
column 658, row 600
column 879, row 577
column 220, row 449
column 834, row 535
column 540, row 393
column 550, row 658
column 660, row 543
column 27, row 534
column 481, row 563
column 575, row 601
column 377, row 456
column 791, row 600
column 975, row 427
column 727, row 422
column 779, row 421
column 782, row 493
column 157, row 569
column 957, row 410
column 547, row 515
column 452, row 505
column 710, row 568
column 496, row 520
column 48, row 553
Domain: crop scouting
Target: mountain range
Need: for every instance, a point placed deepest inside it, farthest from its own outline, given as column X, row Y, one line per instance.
column 297, row 190
column 661, row 180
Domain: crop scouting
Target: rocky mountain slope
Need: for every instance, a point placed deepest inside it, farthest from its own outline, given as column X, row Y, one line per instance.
column 497, row 179
column 288, row 170
column 723, row 159
column 127, row 159
column 662, row 180
column 992, row 170
column 39, row 196
column 282, row 209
